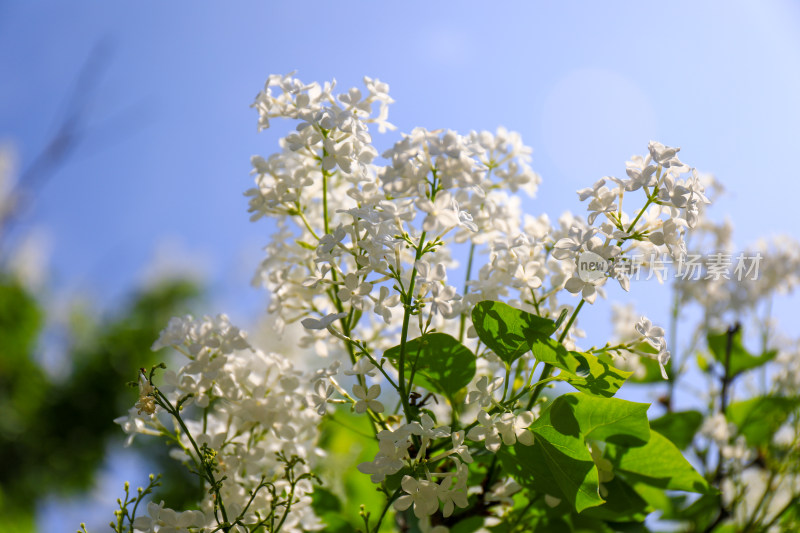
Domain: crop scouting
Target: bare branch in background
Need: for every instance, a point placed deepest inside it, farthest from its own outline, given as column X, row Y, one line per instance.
column 69, row 132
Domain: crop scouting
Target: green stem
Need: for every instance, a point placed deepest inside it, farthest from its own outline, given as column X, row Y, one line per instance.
column 547, row 367
column 208, row 472
column 347, row 324
column 499, row 407
column 462, row 325
column 720, row 474
column 650, row 199
column 673, row 342
column 389, row 501
column 527, row 388
column 404, row 334
column 571, row 321
column 522, row 514
column 325, row 176
column 154, row 482
column 307, row 224
column 789, row 504
column 505, row 384
column 288, row 506
column 757, row 508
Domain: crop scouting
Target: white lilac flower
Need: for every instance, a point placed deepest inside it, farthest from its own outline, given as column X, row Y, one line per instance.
column 579, row 238
column 385, row 302
column 483, row 396
column 167, row 520
column 502, row 491
column 514, row 428
column 663, row 155
column 148, row 524
column 586, row 288
column 465, row 219
column 329, row 242
column 426, row 429
column 421, row 493
column 354, row 290
column 174, row 334
column 427, row 274
column 146, row 401
column 133, row 424
column 441, row 214
column 324, row 373
column 392, row 452
column 591, row 192
column 640, row 172
column 486, row 431
column 379, row 92
column 451, row 495
column 366, row 399
column 319, row 398
column 227, row 337
column 198, row 377
column 384, row 464
column 202, row 335
column 654, row 336
column 363, row 367
column 717, row 428
column 602, row 203
column 650, row 333
column 663, row 358
column 738, row 452
column 672, row 235
column 697, row 197
column 459, row 447
column 442, row 298
column 322, row 323
column 260, row 390
column 527, row 275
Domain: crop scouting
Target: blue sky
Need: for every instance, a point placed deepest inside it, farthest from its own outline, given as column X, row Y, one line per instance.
column 165, row 157
column 166, row 152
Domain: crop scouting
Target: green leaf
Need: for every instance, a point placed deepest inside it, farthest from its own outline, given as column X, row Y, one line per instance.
column 442, row 364
column 740, row 358
column 348, row 440
column 658, row 463
column 561, row 318
column 703, row 362
column 652, row 370
column 679, row 427
column 587, row 372
column 470, row 525
column 558, row 463
column 20, row 322
column 701, row 512
column 325, row 501
column 623, row 527
column 759, row 418
column 623, row 504
column 305, row 245
column 578, row 523
column 603, row 419
column 507, row 331
column 657, row 498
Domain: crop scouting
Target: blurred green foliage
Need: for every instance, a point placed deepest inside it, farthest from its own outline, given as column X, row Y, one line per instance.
column 347, row 440
column 54, row 432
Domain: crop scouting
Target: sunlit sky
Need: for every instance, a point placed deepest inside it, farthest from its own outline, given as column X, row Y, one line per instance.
column 164, row 157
